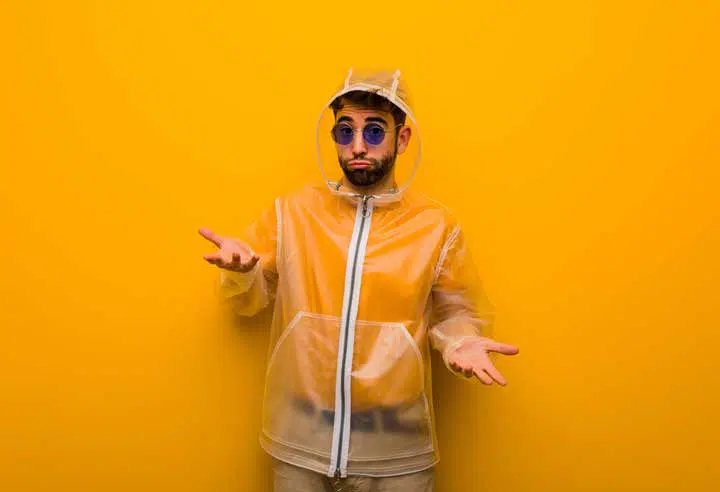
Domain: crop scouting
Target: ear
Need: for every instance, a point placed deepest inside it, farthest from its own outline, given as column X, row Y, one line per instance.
column 403, row 138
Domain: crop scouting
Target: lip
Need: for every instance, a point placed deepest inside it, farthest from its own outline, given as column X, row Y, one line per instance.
column 359, row 164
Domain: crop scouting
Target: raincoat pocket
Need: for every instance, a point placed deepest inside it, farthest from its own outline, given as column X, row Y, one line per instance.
column 388, row 387
column 389, row 411
column 300, row 383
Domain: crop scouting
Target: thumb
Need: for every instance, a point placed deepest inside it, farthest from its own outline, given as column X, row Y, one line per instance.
column 501, row 348
column 211, row 236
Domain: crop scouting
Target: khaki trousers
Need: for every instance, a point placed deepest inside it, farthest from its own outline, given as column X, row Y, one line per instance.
column 289, row 478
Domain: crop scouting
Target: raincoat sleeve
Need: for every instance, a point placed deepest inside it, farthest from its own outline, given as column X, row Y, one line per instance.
column 460, row 308
column 249, row 293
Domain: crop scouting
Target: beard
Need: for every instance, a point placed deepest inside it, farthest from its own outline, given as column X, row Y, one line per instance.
column 365, row 178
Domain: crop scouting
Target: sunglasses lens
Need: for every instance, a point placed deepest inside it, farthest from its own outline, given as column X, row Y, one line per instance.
column 374, row 134
column 342, row 134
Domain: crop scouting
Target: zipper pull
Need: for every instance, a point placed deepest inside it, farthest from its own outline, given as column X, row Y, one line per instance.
column 365, row 201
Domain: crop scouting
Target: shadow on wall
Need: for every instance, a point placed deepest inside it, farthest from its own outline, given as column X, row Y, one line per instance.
column 462, row 426
column 252, row 334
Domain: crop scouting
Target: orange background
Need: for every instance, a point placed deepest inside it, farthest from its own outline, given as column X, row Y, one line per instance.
column 577, row 141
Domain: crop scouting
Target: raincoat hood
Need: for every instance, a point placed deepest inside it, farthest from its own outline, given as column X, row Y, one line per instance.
column 390, row 86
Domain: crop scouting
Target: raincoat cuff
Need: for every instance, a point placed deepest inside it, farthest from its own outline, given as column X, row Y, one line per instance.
column 242, row 280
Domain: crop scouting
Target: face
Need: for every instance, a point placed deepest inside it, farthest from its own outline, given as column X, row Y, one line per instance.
column 368, row 159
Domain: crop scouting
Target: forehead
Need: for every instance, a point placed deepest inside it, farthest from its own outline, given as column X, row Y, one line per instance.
column 360, row 114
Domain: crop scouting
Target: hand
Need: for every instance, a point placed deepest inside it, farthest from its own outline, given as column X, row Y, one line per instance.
column 471, row 359
column 233, row 254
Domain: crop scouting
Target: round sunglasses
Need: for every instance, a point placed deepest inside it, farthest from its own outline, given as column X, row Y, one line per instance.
column 373, row 133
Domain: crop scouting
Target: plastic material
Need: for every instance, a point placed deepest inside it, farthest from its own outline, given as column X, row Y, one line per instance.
column 363, row 285
column 389, row 85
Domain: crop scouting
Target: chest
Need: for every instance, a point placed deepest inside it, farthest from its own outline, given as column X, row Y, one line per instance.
column 398, row 259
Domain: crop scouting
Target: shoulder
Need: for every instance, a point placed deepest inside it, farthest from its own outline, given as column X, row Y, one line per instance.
column 433, row 210
column 304, row 196
column 307, row 201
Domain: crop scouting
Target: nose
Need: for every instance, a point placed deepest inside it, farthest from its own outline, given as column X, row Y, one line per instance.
column 358, row 144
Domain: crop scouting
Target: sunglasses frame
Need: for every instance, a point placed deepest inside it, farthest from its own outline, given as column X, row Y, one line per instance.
column 361, row 130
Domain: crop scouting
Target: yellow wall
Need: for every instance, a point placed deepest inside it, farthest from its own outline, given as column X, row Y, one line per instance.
column 578, row 141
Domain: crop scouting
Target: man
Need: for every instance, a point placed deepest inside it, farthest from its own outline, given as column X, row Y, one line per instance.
column 365, row 276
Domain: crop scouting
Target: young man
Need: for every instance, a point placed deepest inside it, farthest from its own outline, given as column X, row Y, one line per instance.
column 365, row 277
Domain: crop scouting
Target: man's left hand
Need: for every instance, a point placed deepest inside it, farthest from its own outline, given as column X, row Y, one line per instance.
column 471, row 358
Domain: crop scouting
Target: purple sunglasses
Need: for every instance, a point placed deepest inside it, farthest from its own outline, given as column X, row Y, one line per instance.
column 373, row 133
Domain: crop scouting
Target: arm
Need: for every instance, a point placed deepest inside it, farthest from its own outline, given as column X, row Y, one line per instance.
column 248, row 277
column 462, row 313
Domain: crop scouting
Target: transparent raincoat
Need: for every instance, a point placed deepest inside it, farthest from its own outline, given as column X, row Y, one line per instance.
column 363, row 286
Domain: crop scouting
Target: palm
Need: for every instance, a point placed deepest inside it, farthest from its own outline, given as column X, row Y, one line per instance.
column 232, row 254
column 472, row 358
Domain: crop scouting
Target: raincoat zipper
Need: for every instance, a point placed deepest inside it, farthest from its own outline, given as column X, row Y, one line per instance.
column 339, row 457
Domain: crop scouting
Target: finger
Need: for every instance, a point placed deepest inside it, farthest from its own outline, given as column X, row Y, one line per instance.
column 483, row 376
column 253, row 261
column 211, row 257
column 226, row 259
column 247, row 266
column 211, row 236
column 495, row 374
column 465, row 371
column 501, row 348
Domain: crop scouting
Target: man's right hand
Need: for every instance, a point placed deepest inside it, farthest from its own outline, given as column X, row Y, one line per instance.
column 233, row 255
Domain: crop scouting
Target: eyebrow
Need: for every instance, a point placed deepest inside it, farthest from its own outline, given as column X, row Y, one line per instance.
column 376, row 119
column 369, row 119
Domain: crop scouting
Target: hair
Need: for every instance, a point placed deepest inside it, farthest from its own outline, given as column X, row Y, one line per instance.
column 369, row 100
